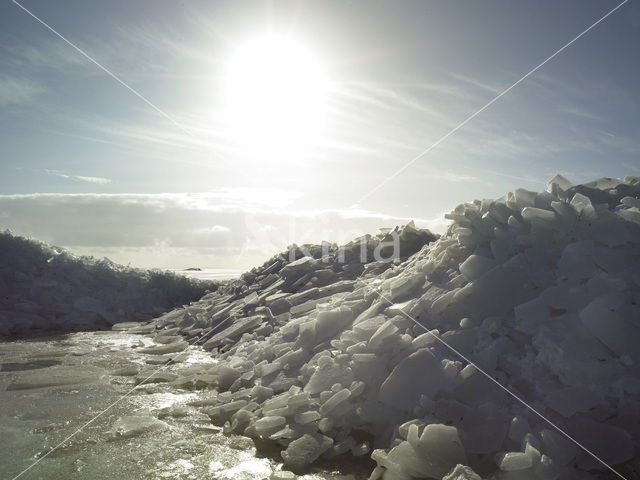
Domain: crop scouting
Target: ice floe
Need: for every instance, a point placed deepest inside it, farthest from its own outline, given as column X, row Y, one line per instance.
column 327, row 352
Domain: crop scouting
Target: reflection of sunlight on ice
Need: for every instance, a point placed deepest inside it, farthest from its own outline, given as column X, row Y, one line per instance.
column 115, row 339
column 252, row 468
column 162, row 399
column 247, row 468
column 199, row 357
column 326, row 476
column 176, row 469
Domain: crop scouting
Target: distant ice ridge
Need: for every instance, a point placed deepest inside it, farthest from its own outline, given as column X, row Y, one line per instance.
column 540, row 290
column 209, row 273
column 45, row 288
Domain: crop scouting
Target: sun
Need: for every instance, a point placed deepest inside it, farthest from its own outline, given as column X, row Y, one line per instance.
column 274, row 98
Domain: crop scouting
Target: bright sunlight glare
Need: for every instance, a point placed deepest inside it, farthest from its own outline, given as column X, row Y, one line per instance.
column 274, row 96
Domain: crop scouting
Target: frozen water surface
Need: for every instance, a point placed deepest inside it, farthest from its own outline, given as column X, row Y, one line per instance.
column 50, row 387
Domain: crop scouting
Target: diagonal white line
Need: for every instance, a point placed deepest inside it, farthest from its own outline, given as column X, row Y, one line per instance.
column 82, row 427
column 108, row 72
column 483, row 372
column 491, row 102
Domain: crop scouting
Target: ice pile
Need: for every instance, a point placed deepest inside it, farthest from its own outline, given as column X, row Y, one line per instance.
column 539, row 290
column 44, row 288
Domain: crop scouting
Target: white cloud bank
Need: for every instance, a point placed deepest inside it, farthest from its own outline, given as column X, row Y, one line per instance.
column 181, row 230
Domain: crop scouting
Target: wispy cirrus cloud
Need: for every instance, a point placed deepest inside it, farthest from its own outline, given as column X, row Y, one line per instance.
column 452, row 176
column 18, row 90
column 100, row 180
column 81, row 178
column 40, row 53
column 477, row 84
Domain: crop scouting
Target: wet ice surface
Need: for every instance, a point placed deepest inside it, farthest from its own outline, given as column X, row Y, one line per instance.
column 50, row 387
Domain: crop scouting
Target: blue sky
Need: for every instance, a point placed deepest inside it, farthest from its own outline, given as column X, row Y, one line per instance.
column 88, row 165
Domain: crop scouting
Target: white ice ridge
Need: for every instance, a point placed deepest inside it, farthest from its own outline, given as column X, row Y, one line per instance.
column 45, row 288
column 540, row 290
